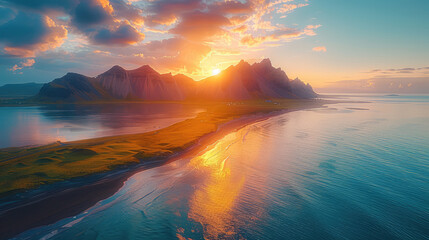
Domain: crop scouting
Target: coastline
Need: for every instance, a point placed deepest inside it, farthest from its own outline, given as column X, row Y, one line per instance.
column 62, row 200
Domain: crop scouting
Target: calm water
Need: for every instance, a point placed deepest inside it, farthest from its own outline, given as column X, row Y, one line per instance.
column 21, row 126
column 329, row 173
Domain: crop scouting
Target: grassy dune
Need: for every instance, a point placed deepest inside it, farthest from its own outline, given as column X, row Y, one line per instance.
column 26, row 168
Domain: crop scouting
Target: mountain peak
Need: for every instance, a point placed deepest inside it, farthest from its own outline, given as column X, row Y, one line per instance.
column 264, row 64
column 242, row 64
column 145, row 69
column 70, row 75
column 114, row 71
column 117, row 68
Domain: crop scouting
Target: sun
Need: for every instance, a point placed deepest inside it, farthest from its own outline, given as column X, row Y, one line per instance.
column 216, row 71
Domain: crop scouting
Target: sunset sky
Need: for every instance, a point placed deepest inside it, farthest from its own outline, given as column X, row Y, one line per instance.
column 318, row 41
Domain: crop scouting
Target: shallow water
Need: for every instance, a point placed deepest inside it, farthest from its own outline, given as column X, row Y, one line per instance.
column 340, row 172
column 21, row 126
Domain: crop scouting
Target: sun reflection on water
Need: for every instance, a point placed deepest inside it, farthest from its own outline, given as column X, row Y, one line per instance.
column 213, row 204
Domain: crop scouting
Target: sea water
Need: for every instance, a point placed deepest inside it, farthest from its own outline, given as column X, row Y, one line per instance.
column 344, row 171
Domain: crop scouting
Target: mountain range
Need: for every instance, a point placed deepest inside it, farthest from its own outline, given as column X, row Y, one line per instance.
column 20, row 90
column 240, row 82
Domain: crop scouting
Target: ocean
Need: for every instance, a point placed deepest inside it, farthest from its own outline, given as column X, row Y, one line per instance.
column 353, row 170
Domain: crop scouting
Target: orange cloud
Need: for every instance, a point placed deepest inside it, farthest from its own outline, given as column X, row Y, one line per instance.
column 237, row 20
column 319, row 49
column 240, row 29
column 200, row 26
column 27, row 63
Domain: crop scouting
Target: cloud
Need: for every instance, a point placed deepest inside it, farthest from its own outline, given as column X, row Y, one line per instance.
column 102, row 52
column 27, row 63
column 286, row 8
column 124, row 34
column 237, row 20
column 405, row 70
column 200, row 25
column 102, row 21
column 127, row 11
column 232, row 7
column 280, row 34
column 29, row 33
column 91, row 13
column 166, row 12
column 241, row 29
column 319, row 49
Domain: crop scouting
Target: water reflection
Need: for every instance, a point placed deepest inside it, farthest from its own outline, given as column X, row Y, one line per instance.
column 212, row 203
column 49, row 123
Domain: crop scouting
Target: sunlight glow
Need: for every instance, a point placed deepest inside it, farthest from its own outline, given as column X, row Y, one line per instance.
column 216, row 71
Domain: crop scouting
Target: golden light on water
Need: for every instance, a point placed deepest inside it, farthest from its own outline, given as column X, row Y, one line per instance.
column 213, row 205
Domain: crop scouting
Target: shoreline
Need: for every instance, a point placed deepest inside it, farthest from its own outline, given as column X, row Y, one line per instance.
column 61, row 200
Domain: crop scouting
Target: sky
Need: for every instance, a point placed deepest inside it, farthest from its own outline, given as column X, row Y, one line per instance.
column 319, row 41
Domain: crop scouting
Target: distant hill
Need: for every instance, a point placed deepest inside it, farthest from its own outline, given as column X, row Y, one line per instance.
column 240, row 82
column 21, row 90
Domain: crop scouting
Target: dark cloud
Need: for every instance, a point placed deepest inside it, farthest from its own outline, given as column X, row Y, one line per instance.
column 30, row 32
column 406, row 69
column 123, row 35
column 89, row 14
column 97, row 10
column 23, row 30
column 397, row 70
column 102, row 21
